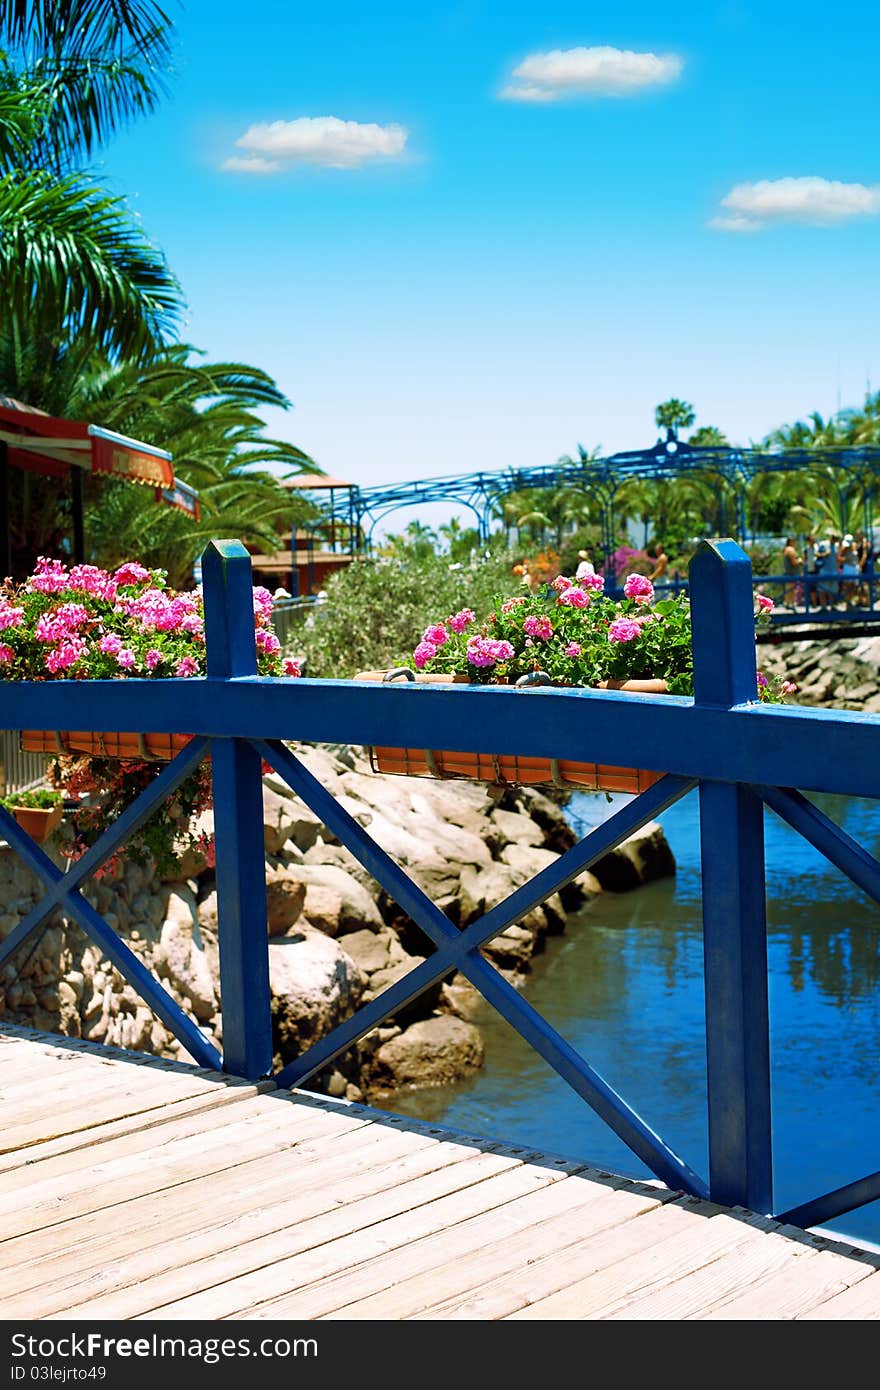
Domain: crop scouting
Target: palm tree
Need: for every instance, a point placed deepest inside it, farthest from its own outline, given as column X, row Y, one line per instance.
column 709, row 437
column 205, row 415
column 93, row 65
column 674, row 414
column 75, row 266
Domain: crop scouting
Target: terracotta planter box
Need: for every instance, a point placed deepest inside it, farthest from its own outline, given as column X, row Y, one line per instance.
column 38, row 821
column 149, row 748
column 509, row 769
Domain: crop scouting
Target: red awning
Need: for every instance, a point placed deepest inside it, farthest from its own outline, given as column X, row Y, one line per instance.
column 41, row 443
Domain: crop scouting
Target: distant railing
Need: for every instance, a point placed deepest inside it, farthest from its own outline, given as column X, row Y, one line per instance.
column 738, row 754
column 290, row 614
column 19, row 771
column 809, row 598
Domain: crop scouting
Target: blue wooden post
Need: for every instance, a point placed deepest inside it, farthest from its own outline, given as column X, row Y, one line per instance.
column 734, row 907
column 238, row 822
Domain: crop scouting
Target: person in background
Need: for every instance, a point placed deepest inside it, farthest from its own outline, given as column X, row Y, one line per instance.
column 661, row 560
column 826, row 569
column 585, row 565
column 847, row 557
column 792, row 565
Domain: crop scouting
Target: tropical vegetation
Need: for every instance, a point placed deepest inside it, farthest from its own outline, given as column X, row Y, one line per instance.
column 92, row 309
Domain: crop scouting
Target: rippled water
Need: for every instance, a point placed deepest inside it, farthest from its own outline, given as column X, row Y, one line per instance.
column 625, row 986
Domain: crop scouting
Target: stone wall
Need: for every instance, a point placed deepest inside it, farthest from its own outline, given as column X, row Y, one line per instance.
column 840, row 674
column 336, row 938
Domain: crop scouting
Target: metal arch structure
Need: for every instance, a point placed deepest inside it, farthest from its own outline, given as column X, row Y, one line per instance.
column 854, row 469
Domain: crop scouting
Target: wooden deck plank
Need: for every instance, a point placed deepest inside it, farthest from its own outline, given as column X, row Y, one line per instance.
column 153, row 1235
column 623, row 1273
column 475, row 1285
column 452, row 1263
column 133, row 1188
column 210, row 1287
column 859, row 1302
column 90, row 1140
column 800, row 1288
column 723, row 1280
column 237, row 1218
column 111, row 1183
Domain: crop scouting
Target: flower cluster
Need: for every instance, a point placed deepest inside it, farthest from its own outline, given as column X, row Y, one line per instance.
column 84, row 623
column 574, row 634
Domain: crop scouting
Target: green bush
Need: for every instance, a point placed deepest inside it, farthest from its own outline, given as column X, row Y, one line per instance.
column 377, row 609
column 41, row 798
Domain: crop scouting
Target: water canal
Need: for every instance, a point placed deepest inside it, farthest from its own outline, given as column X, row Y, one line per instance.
column 625, row 987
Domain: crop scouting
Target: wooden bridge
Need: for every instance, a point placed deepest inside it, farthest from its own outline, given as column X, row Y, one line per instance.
column 137, row 1189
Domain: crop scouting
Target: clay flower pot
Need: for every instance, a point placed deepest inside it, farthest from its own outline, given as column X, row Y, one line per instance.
column 510, row 769
column 39, row 821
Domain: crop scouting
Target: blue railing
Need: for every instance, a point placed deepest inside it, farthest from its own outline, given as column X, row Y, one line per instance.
column 740, row 754
column 810, row 598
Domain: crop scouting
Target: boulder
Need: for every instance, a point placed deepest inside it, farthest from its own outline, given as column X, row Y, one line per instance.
column 357, row 907
column 433, row 1052
column 279, row 819
column 643, row 857
column 314, row 984
column 285, row 896
column 180, row 956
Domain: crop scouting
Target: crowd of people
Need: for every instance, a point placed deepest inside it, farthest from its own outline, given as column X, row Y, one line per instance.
column 837, row 570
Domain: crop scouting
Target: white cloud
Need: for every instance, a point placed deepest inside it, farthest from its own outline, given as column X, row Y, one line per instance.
column 251, row 164
column 603, row 71
column 752, row 206
column 736, row 224
column 322, row 140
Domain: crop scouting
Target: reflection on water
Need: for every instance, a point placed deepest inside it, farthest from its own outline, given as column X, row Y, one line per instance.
column 625, row 987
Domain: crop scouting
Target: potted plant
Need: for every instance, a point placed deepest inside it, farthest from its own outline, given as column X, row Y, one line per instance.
column 567, row 633
column 85, row 623
column 37, row 810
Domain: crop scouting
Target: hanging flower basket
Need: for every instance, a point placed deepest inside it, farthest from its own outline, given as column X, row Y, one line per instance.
column 145, row 748
column 509, row 769
column 568, row 633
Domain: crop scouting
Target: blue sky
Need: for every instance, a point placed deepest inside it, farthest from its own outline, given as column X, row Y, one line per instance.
column 506, row 264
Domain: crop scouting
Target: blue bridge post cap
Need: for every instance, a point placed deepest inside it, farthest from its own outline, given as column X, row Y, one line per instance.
column 723, row 624
column 227, row 579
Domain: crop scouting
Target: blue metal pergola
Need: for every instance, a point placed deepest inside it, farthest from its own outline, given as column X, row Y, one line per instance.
column 854, row 471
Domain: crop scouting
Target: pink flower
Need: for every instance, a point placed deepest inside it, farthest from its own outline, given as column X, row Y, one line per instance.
column 90, row 579
column 110, row 644
column 486, row 651
column 186, row 666
column 509, row 604
column 762, row 680
column 9, row 616
column 192, row 622
column 125, row 658
column 152, row 659
column 436, row 634
column 66, row 655
column 6, row 653
column 573, row 649
column 623, row 630
column 459, row 621
column 263, row 602
column 267, row 641
column 424, row 652
column 592, row 581
column 788, row 687
column 560, row 583
column 291, row 667
column 639, row 588
column 538, row 626
column 765, row 604
column 48, row 628
column 50, row 577
column 72, row 615
column 575, row 597
column 131, row 573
